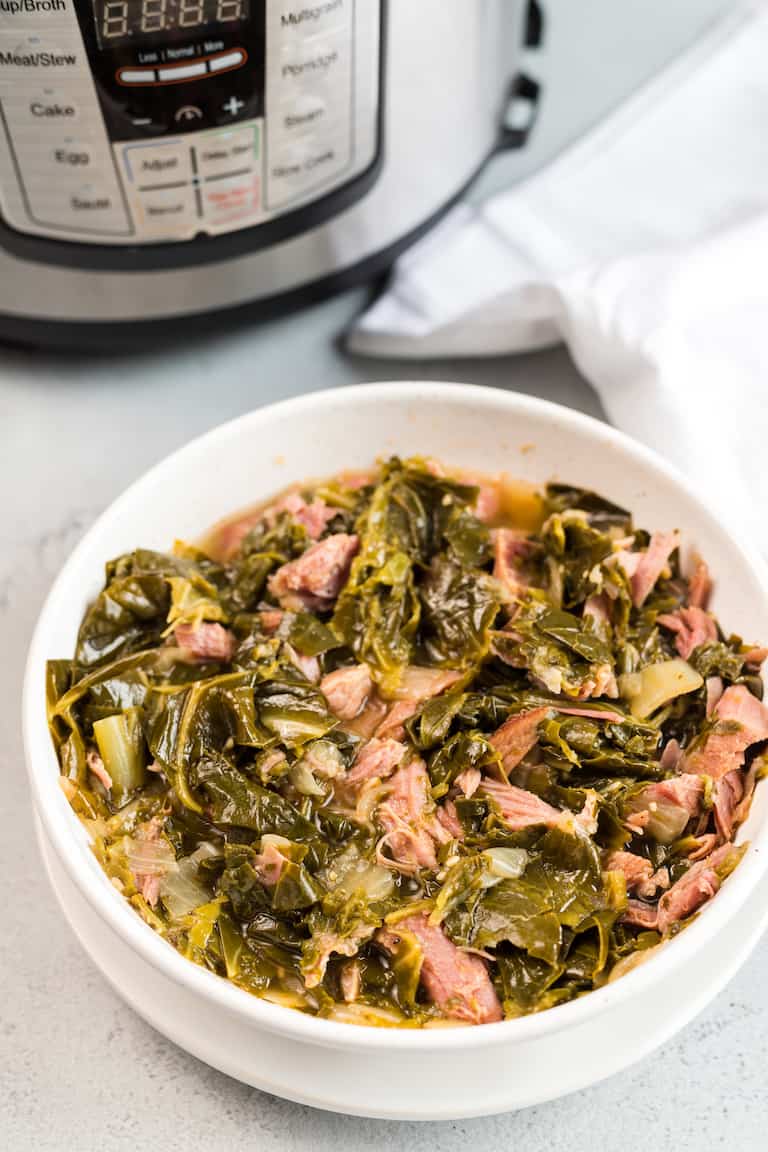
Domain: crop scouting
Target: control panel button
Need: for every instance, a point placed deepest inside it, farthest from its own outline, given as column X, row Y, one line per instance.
column 62, row 154
column 89, row 206
column 187, row 112
column 33, row 14
column 228, row 152
column 149, row 165
column 231, row 202
column 226, row 61
column 233, row 106
column 305, row 164
column 137, row 76
column 167, row 212
column 181, row 72
column 37, row 105
column 309, row 100
column 54, row 52
column 303, row 115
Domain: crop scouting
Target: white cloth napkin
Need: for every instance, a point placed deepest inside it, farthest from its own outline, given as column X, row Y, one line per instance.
column 644, row 248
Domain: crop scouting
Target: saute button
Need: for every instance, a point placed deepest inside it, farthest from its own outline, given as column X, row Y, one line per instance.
column 92, row 207
column 223, row 153
column 149, row 165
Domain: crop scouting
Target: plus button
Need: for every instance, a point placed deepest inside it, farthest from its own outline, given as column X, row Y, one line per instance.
column 233, row 106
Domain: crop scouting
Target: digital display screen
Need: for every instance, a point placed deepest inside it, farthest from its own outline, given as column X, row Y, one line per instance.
column 119, row 20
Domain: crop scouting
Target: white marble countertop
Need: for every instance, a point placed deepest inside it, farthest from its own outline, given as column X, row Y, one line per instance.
column 78, row 1069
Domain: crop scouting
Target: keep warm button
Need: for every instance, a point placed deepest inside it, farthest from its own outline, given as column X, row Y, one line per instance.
column 230, row 203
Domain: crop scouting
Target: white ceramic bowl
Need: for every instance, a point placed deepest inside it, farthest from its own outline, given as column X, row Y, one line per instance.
column 388, row 1072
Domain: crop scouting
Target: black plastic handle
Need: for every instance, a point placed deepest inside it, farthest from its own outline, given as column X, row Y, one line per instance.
column 524, row 93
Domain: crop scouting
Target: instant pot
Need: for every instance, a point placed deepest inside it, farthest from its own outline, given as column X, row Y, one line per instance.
column 164, row 161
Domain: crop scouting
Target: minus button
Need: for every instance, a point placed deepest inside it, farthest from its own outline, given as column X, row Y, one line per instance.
column 227, row 60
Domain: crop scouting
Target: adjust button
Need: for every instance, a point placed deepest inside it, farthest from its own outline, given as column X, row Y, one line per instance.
column 150, row 165
column 224, row 153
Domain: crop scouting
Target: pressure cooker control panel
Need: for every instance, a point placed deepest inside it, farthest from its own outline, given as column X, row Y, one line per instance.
column 141, row 121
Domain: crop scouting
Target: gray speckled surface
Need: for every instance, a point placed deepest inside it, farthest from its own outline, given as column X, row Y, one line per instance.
column 78, row 1070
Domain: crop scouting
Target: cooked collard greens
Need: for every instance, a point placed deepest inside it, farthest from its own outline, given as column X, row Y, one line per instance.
column 408, row 747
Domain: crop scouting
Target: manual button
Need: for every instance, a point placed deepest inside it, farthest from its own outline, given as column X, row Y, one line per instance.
column 227, row 153
column 167, row 213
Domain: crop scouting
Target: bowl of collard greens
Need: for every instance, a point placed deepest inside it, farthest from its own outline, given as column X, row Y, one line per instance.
column 449, row 749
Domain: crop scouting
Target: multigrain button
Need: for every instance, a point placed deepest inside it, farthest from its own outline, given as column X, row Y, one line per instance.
column 149, row 165
column 223, row 153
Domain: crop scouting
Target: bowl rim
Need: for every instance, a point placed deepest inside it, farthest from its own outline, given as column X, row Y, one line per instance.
column 61, row 824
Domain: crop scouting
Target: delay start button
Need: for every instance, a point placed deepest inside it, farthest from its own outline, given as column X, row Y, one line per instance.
column 225, row 153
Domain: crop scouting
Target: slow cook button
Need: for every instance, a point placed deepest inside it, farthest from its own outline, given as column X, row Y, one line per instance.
column 232, row 202
column 304, row 165
column 225, row 153
column 167, row 212
column 149, row 165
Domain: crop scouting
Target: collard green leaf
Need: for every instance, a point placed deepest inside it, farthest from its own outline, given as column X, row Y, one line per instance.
column 458, row 607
